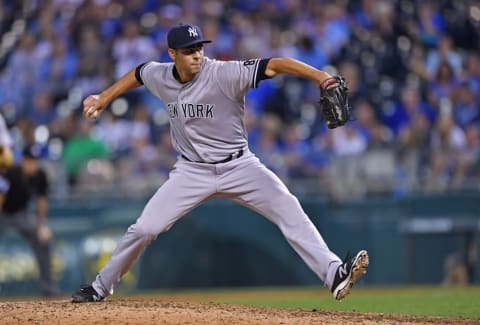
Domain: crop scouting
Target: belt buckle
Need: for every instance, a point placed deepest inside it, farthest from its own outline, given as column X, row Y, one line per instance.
column 233, row 156
column 239, row 153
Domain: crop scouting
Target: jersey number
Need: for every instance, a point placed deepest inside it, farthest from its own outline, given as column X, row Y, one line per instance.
column 249, row 62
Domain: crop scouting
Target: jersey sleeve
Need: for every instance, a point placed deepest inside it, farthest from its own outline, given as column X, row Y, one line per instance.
column 152, row 75
column 239, row 76
column 146, row 73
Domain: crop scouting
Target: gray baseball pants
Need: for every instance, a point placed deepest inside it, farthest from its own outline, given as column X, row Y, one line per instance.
column 246, row 181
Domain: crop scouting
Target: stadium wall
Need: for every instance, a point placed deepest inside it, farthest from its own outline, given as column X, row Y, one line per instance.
column 221, row 244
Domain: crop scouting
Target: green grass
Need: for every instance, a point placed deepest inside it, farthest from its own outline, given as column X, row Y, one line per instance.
column 425, row 301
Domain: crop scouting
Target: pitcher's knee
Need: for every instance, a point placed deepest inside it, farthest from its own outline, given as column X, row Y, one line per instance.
column 285, row 198
column 147, row 233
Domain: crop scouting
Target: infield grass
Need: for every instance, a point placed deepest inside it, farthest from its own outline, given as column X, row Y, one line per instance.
column 421, row 301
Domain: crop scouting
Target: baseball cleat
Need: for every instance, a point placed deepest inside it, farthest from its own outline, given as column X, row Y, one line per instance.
column 348, row 273
column 86, row 294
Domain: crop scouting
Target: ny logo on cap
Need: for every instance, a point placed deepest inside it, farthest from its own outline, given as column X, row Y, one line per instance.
column 192, row 32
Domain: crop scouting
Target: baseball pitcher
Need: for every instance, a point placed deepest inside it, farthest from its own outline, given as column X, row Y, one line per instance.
column 205, row 100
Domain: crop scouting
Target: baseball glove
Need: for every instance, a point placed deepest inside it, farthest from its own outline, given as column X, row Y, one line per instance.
column 334, row 101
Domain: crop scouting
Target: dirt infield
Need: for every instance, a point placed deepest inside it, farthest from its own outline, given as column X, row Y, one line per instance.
column 161, row 311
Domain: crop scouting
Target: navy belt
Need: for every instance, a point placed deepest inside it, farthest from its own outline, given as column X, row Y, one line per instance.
column 234, row 155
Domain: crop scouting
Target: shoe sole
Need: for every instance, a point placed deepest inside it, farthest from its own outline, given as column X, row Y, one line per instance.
column 359, row 268
column 77, row 299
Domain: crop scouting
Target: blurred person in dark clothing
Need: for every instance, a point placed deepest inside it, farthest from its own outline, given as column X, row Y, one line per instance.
column 20, row 184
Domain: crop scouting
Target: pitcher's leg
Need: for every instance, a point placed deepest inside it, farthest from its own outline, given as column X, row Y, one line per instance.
column 263, row 192
column 175, row 198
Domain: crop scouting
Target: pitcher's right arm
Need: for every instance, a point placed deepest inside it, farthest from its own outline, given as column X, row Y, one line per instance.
column 94, row 105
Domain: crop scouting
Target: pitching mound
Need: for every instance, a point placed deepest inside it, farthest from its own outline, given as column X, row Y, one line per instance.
column 159, row 311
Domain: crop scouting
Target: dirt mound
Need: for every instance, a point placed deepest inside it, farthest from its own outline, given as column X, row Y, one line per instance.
column 160, row 311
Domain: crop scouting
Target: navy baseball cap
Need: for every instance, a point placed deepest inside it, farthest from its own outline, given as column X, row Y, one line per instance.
column 184, row 35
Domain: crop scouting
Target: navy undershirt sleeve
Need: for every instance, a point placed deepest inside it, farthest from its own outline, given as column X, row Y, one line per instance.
column 262, row 66
column 137, row 72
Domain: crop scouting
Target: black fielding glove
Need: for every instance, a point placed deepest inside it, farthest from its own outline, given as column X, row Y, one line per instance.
column 334, row 101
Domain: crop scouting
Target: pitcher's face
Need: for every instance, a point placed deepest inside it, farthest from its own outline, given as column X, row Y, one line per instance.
column 188, row 61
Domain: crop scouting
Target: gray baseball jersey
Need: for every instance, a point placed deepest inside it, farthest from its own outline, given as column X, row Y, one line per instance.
column 206, row 118
column 206, row 115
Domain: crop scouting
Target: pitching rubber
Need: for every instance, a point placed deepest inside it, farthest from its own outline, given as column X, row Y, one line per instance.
column 359, row 268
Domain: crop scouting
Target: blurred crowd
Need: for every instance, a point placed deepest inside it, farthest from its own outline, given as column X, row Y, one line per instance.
column 413, row 69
